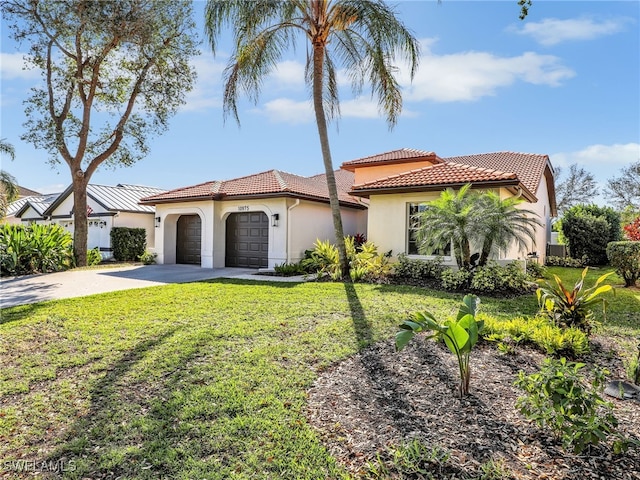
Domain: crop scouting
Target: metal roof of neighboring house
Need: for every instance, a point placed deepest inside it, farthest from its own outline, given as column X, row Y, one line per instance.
column 39, row 203
column 119, row 198
column 441, row 174
column 395, row 156
column 272, row 183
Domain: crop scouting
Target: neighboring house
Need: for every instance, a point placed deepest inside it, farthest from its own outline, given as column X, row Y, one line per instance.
column 107, row 206
column 13, row 207
column 398, row 182
column 255, row 221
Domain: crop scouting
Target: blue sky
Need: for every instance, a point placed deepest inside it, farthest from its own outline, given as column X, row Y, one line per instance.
column 564, row 82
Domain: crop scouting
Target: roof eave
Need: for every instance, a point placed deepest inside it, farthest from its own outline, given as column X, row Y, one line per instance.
column 438, row 187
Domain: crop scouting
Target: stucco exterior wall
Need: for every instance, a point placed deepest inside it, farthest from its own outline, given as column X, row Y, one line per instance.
column 311, row 221
column 299, row 224
column 365, row 174
column 388, row 225
column 165, row 239
column 387, row 221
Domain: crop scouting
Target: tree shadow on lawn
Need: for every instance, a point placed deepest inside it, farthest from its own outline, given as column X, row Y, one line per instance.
column 188, row 418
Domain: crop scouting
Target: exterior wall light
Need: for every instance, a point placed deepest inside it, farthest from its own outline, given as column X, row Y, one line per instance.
column 275, row 218
column 158, row 219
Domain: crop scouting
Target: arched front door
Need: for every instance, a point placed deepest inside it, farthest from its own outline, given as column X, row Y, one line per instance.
column 247, row 240
column 189, row 238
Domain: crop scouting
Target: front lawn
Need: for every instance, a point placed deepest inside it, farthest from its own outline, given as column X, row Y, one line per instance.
column 202, row 380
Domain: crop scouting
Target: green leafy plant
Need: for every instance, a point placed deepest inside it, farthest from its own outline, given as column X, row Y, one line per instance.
column 323, row 259
column 455, row 279
column 148, row 258
column 492, row 278
column 93, row 256
column 34, row 248
column 557, row 398
column 128, row 243
column 540, row 332
column 412, row 459
column 625, row 258
column 459, row 335
column 289, row 269
column 554, row 261
column 416, row 269
column 572, row 308
column 535, row 270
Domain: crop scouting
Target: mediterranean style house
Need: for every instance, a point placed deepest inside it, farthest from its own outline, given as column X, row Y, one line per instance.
column 272, row 217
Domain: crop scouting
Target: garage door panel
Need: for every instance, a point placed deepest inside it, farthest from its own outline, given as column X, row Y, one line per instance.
column 188, row 241
column 247, row 240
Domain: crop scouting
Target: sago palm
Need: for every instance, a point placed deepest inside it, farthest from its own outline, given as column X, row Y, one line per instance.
column 502, row 224
column 364, row 37
column 451, row 218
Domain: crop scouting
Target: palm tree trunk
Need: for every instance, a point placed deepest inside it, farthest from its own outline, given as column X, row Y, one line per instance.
column 321, row 121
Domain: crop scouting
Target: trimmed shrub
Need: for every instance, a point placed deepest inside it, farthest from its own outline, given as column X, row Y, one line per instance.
column 588, row 229
column 494, row 278
column 417, row 270
column 455, row 279
column 625, row 258
column 128, row 244
column 93, row 256
column 34, row 248
column 148, row 258
column 552, row 261
column 535, row 270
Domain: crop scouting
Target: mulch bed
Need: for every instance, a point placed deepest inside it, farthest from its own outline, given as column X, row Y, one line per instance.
column 380, row 399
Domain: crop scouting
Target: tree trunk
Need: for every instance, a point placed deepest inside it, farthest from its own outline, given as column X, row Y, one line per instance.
column 80, row 224
column 321, row 121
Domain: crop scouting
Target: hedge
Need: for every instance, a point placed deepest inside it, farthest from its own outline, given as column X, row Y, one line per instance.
column 128, row 244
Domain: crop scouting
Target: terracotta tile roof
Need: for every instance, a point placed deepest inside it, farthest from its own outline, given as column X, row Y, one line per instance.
column 395, row 156
column 529, row 167
column 441, row 174
column 271, row 183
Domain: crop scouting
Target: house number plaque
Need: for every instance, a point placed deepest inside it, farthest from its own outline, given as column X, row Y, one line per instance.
column 243, row 208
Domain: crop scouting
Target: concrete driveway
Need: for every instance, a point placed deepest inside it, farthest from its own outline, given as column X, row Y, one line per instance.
column 78, row 283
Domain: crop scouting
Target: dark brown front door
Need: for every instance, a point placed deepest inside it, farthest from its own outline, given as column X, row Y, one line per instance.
column 189, row 239
column 247, row 240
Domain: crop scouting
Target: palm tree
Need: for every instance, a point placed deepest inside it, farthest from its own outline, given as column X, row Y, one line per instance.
column 8, row 183
column 363, row 36
column 452, row 218
column 502, row 224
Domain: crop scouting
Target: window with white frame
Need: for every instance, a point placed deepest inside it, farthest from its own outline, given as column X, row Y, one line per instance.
column 413, row 209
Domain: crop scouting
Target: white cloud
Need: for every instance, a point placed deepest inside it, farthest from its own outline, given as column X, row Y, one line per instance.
column 207, row 92
column 12, row 66
column 469, row 76
column 289, row 74
column 289, row 111
column 600, row 156
column 552, row 31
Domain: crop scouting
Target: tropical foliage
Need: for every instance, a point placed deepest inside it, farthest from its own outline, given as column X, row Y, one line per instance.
column 467, row 218
column 364, row 37
column 572, row 308
column 459, row 335
column 556, row 398
column 34, row 249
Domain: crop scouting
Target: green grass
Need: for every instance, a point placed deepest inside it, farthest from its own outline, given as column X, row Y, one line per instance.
column 201, row 380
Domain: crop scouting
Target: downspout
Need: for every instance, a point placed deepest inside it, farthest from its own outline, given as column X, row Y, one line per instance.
column 297, row 202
